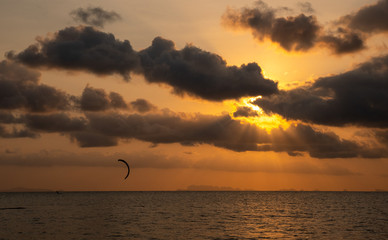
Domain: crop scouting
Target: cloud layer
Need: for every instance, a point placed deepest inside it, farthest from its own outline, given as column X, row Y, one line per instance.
column 100, row 129
column 303, row 32
column 19, row 88
column 188, row 71
column 357, row 97
column 98, row 119
column 93, row 99
column 200, row 73
column 369, row 19
column 81, row 48
column 291, row 33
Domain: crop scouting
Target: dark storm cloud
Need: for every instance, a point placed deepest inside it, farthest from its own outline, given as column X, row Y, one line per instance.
column 343, row 41
column 188, row 71
column 302, row 32
column 20, row 88
column 94, row 99
column 297, row 33
column 142, row 105
column 58, row 122
column 358, row 97
column 259, row 19
column 200, row 73
column 245, row 112
column 94, row 16
column 81, row 48
column 355, row 28
column 371, row 18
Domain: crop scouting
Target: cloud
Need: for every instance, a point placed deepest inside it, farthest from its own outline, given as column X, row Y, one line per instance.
column 303, row 138
column 12, row 71
column 76, row 128
column 17, row 133
column 169, row 127
column 343, row 41
column 99, row 128
column 117, row 101
column 200, row 73
column 9, row 117
column 105, row 129
column 355, row 28
column 94, row 16
column 20, row 89
column 382, row 136
column 297, row 33
column 94, row 99
column 369, row 19
column 188, row 71
column 57, row 122
column 91, row 139
column 81, row 48
column 142, row 105
column 245, row 112
column 306, row 7
column 357, row 97
column 303, row 32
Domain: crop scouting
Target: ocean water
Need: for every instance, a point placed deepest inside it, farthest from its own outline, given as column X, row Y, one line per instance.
column 194, row 215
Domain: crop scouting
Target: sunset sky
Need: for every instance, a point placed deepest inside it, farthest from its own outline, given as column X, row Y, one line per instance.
column 223, row 94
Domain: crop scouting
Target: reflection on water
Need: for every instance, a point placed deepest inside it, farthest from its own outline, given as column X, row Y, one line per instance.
column 194, row 215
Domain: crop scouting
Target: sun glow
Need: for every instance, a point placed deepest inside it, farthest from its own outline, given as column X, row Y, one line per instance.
column 248, row 102
column 259, row 118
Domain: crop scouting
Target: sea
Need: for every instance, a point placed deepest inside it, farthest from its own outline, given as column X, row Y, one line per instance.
column 193, row 215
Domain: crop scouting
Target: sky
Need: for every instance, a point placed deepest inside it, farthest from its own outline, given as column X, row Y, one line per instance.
column 194, row 95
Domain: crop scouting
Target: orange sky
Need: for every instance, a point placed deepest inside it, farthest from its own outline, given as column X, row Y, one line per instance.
column 199, row 121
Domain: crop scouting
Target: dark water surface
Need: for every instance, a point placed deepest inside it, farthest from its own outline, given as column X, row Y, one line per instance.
column 194, row 215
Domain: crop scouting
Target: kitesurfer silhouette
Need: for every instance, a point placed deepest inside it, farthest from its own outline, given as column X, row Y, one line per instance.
column 121, row 160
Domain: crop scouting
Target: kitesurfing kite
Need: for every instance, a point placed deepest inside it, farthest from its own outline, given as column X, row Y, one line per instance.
column 121, row 160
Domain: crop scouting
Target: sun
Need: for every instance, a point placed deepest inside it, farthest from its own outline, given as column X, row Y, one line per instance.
column 257, row 116
column 249, row 103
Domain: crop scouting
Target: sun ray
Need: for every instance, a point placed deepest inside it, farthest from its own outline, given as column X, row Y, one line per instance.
column 260, row 118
